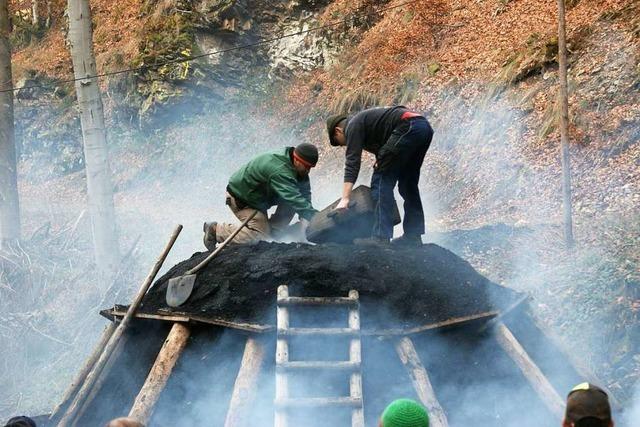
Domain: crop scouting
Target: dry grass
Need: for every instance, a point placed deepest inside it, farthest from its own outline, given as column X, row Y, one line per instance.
column 49, row 297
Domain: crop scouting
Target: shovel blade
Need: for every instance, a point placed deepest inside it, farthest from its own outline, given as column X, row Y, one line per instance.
column 179, row 289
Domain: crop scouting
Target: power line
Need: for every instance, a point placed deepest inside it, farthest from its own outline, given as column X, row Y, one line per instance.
column 217, row 52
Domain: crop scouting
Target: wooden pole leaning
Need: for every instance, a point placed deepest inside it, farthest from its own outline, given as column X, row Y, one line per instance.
column 530, row 370
column 421, row 382
column 100, row 380
column 246, row 385
column 113, row 341
column 80, row 377
column 160, row 372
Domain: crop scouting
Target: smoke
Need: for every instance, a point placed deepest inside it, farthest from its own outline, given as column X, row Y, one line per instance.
column 489, row 196
column 630, row 416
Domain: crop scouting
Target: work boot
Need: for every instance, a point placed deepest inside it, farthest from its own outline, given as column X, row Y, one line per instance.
column 209, row 238
column 371, row 241
column 408, row 240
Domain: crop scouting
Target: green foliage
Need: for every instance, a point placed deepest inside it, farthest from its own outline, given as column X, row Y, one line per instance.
column 24, row 31
column 407, row 89
column 356, row 100
column 168, row 37
column 532, row 59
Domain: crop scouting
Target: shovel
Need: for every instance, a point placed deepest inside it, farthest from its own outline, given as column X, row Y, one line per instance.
column 180, row 288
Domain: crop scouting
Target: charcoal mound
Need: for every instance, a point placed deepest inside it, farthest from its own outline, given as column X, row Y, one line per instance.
column 403, row 287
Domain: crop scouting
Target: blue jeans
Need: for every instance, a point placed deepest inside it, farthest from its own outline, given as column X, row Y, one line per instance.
column 399, row 161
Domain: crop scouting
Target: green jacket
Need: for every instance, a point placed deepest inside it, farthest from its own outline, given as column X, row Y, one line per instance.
column 269, row 180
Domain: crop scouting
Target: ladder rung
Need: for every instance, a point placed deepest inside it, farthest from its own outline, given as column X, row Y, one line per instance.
column 303, row 402
column 326, row 365
column 318, row 301
column 318, row 331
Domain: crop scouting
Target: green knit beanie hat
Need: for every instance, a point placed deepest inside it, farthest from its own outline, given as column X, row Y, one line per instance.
column 405, row 413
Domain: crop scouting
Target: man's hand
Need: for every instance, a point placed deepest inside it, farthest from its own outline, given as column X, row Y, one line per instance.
column 343, row 204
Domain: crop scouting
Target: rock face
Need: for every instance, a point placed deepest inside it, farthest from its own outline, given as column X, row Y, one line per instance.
column 206, row 27
column 398, row 287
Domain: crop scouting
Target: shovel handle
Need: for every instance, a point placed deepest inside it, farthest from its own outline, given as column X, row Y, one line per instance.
column 222, row 245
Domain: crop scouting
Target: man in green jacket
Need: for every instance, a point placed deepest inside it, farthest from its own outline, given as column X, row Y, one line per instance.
column 279, row 178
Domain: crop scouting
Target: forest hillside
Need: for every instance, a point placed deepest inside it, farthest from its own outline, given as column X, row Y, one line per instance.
column 267, row 74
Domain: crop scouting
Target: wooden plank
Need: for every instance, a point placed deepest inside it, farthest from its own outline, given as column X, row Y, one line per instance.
column 421, row 382
column 86, row 368
column 160, row 372
column 317, row 331
column 282, row 356
column 310, row 402
column 530, row 370
column 117, row 334
column 186, row 317
column 491, row 323
column 449, row 323
column 318, row 301
column 261, row 328
column 246, row 385
column 355, row 356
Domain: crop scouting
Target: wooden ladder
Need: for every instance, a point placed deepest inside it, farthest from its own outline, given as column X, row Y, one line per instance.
column 284, row 402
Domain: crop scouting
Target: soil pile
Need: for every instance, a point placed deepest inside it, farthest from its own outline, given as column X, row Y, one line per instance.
column 398, row 287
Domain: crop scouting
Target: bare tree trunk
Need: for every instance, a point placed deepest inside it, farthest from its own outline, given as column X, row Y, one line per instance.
column 99, row 187
column 564, row 126
column 47, row 22
column 35, row 12
column 9, row 202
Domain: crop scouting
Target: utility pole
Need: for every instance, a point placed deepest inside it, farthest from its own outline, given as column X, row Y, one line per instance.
column 564, row 126
column 99, row 186
column 9, row 201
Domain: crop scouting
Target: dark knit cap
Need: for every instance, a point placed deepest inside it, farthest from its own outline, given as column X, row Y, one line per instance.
column 588, row 402
column 332, row 122
column 21, row 421
column 307, row 152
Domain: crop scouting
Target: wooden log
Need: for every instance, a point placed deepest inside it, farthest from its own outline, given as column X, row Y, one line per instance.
column 115, row 337
column 160, row 372
column 246, row 385
column 86, row 368
column 282, row 356
column 421, row 382
column 575, row 361
column 530, row 370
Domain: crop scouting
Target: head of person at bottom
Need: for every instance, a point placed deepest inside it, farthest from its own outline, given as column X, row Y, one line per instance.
column 304, row 157
column 404, row 413
column 124, row 422
column 21, row 421
column 587, row 406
